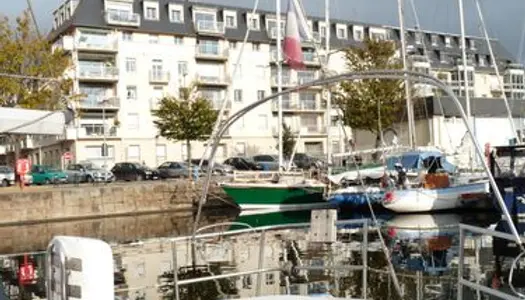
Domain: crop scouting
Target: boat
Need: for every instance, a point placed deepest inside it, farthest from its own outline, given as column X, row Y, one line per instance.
column 275, row 191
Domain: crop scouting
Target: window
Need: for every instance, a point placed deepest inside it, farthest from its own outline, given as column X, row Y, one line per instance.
column 178, row 40
column 260, row 95
column 127, row 36
column 153, row 39
column 472, row 44
column 358, row 34
column 133, row 121
column 448, row 41
column 131, row 92
column 263, row 122
column 160, row 152
column 151, row 13
column 253, row 22
column 230, row 19
column 419, row 38
column 133, row 155
column 256, row 47
column 322, row 31
column 237, row 95
column 232, row 44
column 176, row 15
column 131, row 65
column 481, row 61
column 341, row 33
column 182, row 68
column 435, row 40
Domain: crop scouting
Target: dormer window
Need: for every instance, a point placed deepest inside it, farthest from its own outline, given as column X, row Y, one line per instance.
column 358, row 33
column 253, row 22
column 322, row 30
column 176, row 13
column 341, row 31
column 472, row 44
column 419, row 38
column 151, row 10
column 448, row 41
column 230, row 19
column 435, row 40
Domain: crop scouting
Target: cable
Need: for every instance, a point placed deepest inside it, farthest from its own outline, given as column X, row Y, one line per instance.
column 29, row 122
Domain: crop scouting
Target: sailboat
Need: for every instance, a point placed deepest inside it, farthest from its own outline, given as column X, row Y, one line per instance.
column 280, row 190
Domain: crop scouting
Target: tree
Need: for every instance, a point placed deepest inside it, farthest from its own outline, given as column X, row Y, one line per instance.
column 187, row 118
column 288, row 141
column 24, row 52
column 371, row 104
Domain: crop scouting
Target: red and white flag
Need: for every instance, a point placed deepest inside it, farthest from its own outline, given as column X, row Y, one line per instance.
column 297, row 31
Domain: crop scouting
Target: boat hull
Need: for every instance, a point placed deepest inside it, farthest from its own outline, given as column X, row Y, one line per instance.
column 276, row 196
column 425, row 200
column 356, row 196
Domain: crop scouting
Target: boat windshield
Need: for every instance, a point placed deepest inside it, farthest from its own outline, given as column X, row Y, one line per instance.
column 409, row 161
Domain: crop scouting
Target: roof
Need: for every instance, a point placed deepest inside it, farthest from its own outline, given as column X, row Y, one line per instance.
column 89, row 13
column 480, row 107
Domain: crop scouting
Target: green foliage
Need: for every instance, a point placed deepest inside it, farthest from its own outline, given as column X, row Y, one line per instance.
column 24, row 52
column 359, row 99
column 288, row 141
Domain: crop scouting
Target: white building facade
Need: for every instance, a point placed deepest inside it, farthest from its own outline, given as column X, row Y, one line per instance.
column 127, row 54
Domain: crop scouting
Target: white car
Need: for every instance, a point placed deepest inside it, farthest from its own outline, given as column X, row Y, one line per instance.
column 7, row 176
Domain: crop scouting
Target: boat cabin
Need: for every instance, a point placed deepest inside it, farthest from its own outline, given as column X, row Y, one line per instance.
column 507, row 166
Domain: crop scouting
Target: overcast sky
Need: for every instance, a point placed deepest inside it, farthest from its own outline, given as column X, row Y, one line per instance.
column 504, row 17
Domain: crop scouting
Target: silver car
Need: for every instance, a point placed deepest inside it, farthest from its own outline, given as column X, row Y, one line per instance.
column 86, row 172
column 7, row 176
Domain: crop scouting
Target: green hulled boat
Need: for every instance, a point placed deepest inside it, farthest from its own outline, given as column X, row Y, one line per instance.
column 279, row 196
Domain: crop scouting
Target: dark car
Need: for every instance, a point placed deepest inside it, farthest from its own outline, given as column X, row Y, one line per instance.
column 218, row 169
column 174, row 169
column 243, row 164
column 133, row 171
column 305, row 161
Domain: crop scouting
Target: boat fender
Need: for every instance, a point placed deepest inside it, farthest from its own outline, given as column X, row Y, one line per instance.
column 389, row 197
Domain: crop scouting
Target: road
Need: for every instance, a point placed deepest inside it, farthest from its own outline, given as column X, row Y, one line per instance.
column 39, row 188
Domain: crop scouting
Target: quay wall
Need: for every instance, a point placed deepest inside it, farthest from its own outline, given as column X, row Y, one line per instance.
column 63, row 203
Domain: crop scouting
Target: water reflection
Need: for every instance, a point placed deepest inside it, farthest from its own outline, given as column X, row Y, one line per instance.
column 424, row 251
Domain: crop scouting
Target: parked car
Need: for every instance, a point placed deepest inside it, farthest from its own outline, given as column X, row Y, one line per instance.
column 173, row 169
column 271, row 162
column 7, row 176
column 243, row 164
column 218, row 168
column 305, row 161
column 86, row 172
column 133, row 172
column 47, row 175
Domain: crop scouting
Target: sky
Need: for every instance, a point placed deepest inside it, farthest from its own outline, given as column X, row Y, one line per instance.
column 504, row 18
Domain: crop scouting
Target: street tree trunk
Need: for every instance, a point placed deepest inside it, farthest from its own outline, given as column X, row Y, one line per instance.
column 188, row 152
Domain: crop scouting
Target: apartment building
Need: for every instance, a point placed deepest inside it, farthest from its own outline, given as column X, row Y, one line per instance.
column 128, row 54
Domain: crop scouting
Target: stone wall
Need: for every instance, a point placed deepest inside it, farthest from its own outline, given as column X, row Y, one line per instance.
column 35, row 237
column 66, row 203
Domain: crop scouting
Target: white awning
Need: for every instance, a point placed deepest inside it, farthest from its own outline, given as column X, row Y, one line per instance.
column 29, row 121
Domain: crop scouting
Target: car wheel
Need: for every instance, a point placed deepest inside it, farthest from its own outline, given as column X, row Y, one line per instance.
column 5, row 183
column 90, row 179
column 139, row 177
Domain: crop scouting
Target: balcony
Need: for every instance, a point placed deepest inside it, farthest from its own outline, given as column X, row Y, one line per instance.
column 122, row 18
column 311, row 59
column 212, row 28
column 315, row 40
column 209, row 52
column 159, row 76
column 298, row 106
column 92, row 131
column 65, row 43
column 85, row 43
column 210, row 80
column 312, row 130
column 99, row 102
column 98, row 73
column 308, row 79
column 288, row 105
column 286, row 81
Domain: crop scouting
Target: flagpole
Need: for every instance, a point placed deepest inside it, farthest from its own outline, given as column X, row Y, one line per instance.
column 328, row 95
column 279, row 82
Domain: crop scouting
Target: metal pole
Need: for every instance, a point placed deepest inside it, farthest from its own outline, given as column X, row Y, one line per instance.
column 460, row 264
column 465, row 75
column 175, row 269
column 364, row 255
column 279, row 82
column 104, row 146
column 408, row 95
column 262, row 243
column 328, row 95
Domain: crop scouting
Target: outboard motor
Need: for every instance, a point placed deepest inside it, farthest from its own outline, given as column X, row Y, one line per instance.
column 79, row 268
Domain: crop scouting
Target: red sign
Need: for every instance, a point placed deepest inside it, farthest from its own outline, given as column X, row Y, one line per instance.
column 22, row 166
column 67, row 156
column 26, row 272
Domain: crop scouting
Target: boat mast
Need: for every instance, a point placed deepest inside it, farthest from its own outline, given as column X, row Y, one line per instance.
column 279, row 82
column 328, row 95
column 408, row 95
column 465, row 74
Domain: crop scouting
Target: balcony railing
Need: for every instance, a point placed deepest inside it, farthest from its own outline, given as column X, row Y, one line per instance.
column 303, row 130
column 99, row 102
column 212, row 80
column 272, row 32
column 122, row 17
column 108, row 45
column 158, row 76
column 206, row 51
column 210, row 27
column 101, row 72
column 298, row 106
column 311, row 58
column 286, row 81
column 92, row 131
